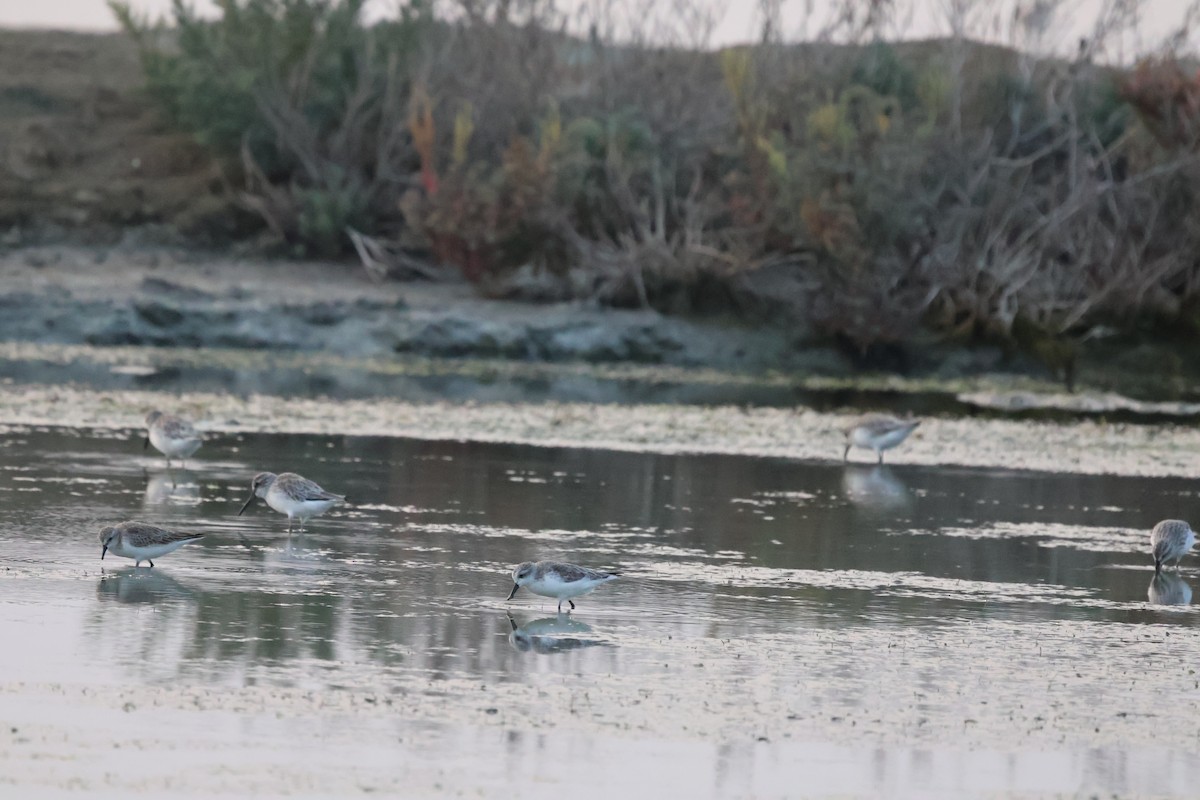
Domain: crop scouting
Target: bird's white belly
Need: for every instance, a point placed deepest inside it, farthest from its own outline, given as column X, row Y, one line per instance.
column 882, row 441
column 552, row 587
column 861, row 437
column 297, row 508
column 173, row 448
column 144, row 553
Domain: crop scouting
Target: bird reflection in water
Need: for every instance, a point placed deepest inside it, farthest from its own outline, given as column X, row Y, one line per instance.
column 134, row 585
column 171, row 486
column 551, row 635
column 875, row 487
column 1168, row 589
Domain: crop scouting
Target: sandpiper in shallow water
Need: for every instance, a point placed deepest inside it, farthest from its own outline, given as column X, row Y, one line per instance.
column 558, row 580
column 141, row 542
column 1170, row 540
column 877, row 432
column 289, row 493
column 172, row 436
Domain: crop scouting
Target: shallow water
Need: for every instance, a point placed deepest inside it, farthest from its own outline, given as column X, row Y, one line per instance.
column 780, row 629
column 418, row 379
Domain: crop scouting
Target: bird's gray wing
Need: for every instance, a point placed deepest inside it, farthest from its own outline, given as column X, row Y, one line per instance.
column 304, row 489
column 569, row 573
column 880, row 424
column 179, row 428
column 140, row 534
column 1167, row 535
column 872, row 423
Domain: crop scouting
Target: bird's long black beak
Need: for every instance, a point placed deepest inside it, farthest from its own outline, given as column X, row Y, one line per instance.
column 146, row 443
column 246, row 504
column 104, row 552
column 514, row 591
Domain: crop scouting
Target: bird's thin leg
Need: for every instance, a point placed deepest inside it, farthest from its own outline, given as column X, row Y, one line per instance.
column 572, row 602
column 846, row 454
column 560, row 606
column 879, row 453
column 151, row 562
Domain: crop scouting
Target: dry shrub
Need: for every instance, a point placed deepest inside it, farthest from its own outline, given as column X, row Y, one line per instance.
column 968, row 189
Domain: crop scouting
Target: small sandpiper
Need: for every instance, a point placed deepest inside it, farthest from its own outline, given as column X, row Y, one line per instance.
column 141, row 542
column 877, row 432
column 558, row 580
column 1170, row 540
column 172, row 436
column 290, row 494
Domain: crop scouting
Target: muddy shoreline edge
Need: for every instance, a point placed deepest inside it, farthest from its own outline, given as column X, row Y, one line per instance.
column 1085, row 447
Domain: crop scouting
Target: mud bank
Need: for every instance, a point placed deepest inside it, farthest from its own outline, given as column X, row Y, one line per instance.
column 137, row 294
column 167, row 297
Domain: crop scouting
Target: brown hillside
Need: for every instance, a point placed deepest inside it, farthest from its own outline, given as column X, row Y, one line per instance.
column 82, row 149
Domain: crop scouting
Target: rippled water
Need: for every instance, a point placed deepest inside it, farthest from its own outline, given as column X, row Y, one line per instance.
column 780, row 629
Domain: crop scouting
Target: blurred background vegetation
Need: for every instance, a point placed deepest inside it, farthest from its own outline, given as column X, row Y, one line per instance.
column 879, row 189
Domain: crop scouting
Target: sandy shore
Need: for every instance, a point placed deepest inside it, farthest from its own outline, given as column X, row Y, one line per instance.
column 1085, row 447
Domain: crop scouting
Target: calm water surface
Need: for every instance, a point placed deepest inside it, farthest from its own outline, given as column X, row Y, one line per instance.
column 781, row 629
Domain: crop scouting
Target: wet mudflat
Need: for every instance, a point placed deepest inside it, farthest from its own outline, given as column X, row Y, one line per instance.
column 781, row 628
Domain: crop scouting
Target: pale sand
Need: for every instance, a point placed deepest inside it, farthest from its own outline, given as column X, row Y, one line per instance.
column 1086, row 447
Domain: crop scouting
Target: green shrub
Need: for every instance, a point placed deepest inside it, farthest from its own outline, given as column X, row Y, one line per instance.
column 881, row 70
column 300, row 90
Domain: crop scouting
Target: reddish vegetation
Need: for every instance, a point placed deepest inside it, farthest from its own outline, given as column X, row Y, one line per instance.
column 1167, row 99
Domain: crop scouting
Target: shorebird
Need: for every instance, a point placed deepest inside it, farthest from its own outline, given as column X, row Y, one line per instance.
column 877, row 432
column 172, row 436
column 558, row 580
column 290, row 494
column 1171, row 539
column 141, row 542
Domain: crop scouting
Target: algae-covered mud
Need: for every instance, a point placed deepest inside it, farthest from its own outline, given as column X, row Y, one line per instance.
column 780, row 629
column 1090, row 446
